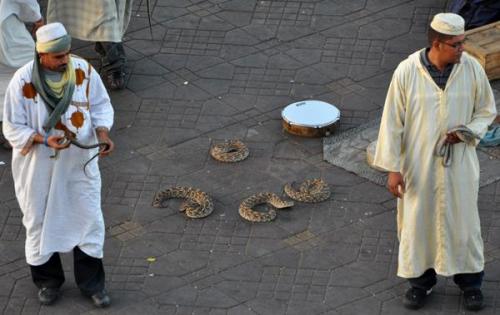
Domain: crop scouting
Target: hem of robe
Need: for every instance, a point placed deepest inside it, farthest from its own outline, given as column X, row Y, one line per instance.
column 440, row 272
column 97, row 38
column 42, row 259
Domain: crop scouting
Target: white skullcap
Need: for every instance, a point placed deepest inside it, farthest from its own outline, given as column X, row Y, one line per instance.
column 448, row 23
column 50, row 32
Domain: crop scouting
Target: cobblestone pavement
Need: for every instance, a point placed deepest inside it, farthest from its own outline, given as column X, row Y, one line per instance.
column 219, row 69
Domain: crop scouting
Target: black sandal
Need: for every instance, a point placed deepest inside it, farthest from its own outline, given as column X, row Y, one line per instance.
column 473, row 300
column 415, row 298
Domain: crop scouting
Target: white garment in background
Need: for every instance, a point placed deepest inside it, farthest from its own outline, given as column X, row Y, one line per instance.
column 438, row 219
column 61, row 205
column 16, row 44
column 92, row 20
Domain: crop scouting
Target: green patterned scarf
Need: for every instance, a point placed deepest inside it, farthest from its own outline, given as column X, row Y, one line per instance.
column 56, row 106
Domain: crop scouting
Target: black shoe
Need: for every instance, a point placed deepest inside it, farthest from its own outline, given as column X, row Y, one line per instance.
column 116, row 79
column 473, row 300
column 101, row 299
column 415, row 298
column 5, row 144
column 48, row 296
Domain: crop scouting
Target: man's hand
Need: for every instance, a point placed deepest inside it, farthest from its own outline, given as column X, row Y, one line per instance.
column 37, row 25
column 57, row 142
column 396, row 184
column 103, row 136
column 452, row 138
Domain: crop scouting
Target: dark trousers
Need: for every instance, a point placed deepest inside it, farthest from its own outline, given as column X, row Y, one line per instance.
column 113, row 56
column 89, row 272
column 465, row 281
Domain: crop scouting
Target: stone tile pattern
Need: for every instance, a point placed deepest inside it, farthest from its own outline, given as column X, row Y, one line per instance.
column 221, row 69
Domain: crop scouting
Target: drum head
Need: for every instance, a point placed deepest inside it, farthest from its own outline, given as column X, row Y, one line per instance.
column 311, row 113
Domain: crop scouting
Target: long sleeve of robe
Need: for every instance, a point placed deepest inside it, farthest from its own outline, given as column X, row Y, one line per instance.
column 61, row 204
column 438, row 219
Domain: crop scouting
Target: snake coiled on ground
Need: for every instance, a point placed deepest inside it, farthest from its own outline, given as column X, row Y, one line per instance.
column 229, row 151
column 198, row 203
column 311, row 190
column 274, row 202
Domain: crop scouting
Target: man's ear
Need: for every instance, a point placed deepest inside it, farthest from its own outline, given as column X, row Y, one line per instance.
column 435, row 44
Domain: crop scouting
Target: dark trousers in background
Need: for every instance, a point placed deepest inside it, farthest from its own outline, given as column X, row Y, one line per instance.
column 89, row 273
column 465, row 281
column 113, row 56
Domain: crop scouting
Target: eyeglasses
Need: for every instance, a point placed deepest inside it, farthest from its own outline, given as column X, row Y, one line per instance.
column 454, row 45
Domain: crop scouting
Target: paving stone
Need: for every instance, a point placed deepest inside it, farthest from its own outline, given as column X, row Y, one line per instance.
column 332, row 70
column 214, row 298
column 241, row 309
column 287, row 33
column 6, row 183
column 239, row 37
column 144, row 47
column 190, row 92
column 255, row 60
column 183, row 296
column 306, row 56
column 140, row 82
column 221, row 71
column 213, row 22
column 214, row 87
column 262, row 32
column 236, row 18
column 359, row 306
column 157, row 32
column 148, row 67
column 146, row 307
column 198, row 63
column 286, row 258
column 337, row 7
column 282, row 61
column 267, row 306
column 384, row 28
column 171, row 61
column 406, row 44
column 6, row 286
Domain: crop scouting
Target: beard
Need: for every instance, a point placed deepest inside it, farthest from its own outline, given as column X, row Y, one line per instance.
column 61, row 68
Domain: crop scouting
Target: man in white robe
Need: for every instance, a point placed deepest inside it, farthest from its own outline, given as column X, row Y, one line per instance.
column 432, row 91
column 55, row 97
column 16, row 43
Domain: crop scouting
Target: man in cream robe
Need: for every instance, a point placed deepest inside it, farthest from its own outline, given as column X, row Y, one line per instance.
column 100, row 21
column 60, row 202
column 431, row 92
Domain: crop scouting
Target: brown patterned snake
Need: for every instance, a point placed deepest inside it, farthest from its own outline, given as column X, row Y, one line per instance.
column 271, row 199
column 198, row 204
column 229, row 151
column 311, row 190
